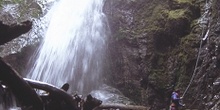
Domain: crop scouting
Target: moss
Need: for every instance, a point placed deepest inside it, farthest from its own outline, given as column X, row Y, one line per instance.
column 17, row 1
column 189, row 41
column 194, row 23
column 183, row 57
column 157, row 20
column 185, row 52
column 182, row 81
column 26, row 8
column 176, row 14
column 185, row 1
column 159, row 78
column 10, row 1
column 158, row 12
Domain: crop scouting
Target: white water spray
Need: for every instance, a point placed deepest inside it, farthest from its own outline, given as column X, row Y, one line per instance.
column 74, row 46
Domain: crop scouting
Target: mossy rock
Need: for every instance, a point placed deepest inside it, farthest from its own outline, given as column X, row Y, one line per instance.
column 186, row 4
column 23, row 9
column 178, row 22
column 10, row 2
column 160, row 79
column 178, row 14
column 184, row 1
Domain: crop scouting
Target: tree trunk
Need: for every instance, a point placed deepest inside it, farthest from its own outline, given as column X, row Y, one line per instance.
column 20, row 88
column 54, row 92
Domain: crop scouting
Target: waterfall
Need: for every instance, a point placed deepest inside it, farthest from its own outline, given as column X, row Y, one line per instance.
column 74, row 46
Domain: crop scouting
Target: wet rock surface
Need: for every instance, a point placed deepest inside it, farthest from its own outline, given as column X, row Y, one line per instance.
column 157, row 43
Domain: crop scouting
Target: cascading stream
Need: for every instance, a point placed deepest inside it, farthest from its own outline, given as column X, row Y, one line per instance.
column 74, row 46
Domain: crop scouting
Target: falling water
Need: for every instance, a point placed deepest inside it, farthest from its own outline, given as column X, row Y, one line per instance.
column 74, row 45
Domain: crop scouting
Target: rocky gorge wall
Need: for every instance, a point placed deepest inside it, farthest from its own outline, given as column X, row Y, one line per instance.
column 154, row 47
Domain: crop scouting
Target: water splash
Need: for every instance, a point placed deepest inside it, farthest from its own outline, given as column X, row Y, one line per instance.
column 110, row 95
column 7, row 99
column 74, row 46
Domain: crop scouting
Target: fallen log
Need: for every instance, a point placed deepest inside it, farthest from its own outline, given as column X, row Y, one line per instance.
column 90, row 102
column 120, row 107
column 20, row 88
column 60, row 94
column 9, row 32
column 55, row 93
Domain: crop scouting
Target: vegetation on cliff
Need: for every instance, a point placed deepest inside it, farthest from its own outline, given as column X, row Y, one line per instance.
column 158, row 43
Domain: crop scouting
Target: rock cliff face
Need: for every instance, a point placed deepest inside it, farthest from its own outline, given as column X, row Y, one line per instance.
column 154, row 47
